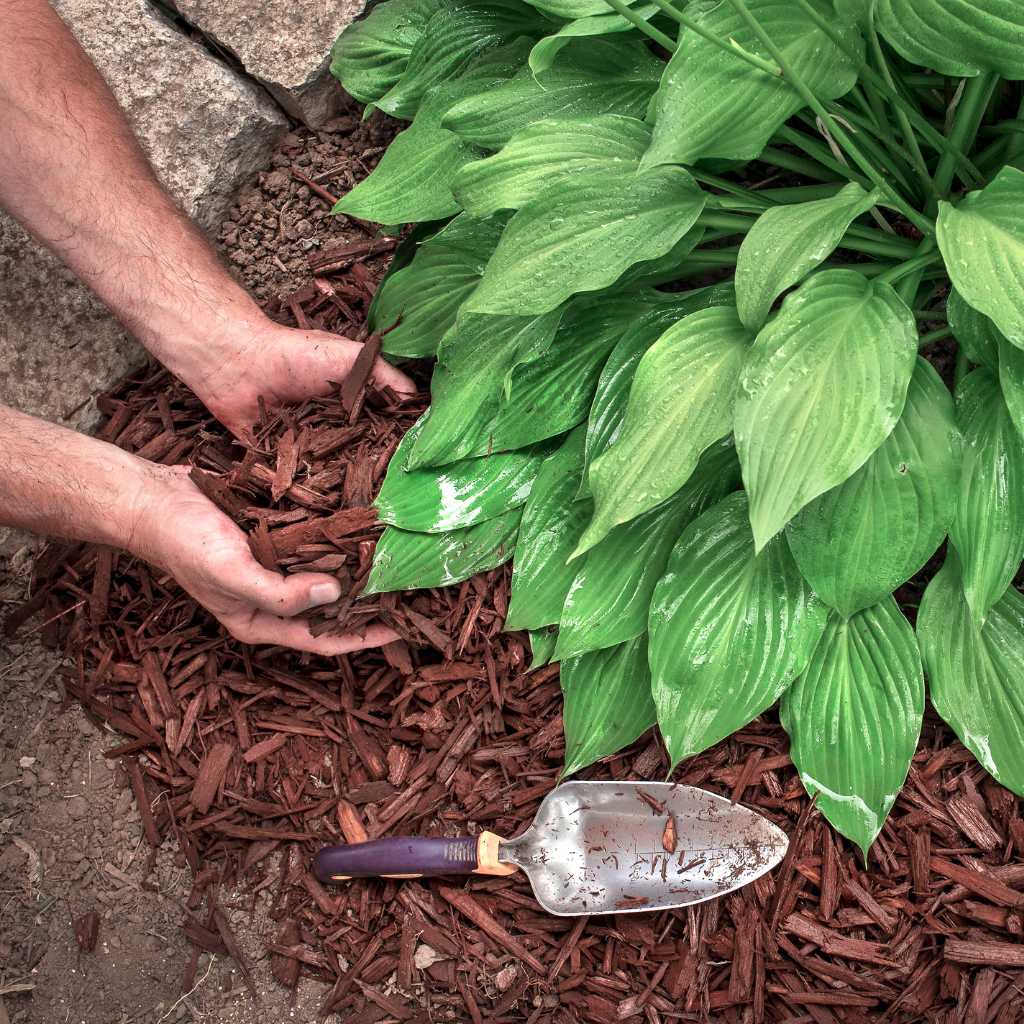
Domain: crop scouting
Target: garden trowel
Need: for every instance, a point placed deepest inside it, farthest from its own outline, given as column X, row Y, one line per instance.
column 594, row 848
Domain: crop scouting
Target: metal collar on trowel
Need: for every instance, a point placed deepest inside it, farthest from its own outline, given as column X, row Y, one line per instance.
column 594, row 848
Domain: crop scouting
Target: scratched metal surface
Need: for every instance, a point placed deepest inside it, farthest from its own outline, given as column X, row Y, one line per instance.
column 619, row 847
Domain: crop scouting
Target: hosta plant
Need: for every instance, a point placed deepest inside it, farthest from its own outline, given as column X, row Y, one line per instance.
column 727, row 306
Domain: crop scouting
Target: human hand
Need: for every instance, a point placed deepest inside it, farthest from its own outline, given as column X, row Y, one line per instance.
column 281, row 365
column 176, row 527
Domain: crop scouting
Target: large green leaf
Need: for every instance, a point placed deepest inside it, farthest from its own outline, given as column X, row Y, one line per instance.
column 988, row 529
column 976, row 673
column 823, row 386
column 490, row 69
column 552, row 393
column 854, row 716
column 453, row 38
column 612, row 394
column 729, row 630
column 552, row 523
column 982, row 242
column 860, row 541
column 539, row 156
column 370, row 56
column 457, row 495
column 713, row 104
column 608, row 702
column 542, row 646
column 573, row 9
column 1011, row 381
column 543, row 54
column 413, row 181
column 606, row 76
column 787, row 242
column 974, row 332
column 474, row 360
column 581, row 236
column 680, row 403
column 956, row 37
column 610, row 596
column 410, row 561
column 423, row 298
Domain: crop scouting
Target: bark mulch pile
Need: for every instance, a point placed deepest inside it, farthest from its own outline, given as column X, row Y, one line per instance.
column 247, row 759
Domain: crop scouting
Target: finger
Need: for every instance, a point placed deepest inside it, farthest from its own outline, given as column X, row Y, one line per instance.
column 334, row 358
column 269, row 629
column 279, row 595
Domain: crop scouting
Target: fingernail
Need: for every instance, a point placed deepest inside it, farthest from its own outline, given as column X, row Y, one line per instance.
column 324, row 593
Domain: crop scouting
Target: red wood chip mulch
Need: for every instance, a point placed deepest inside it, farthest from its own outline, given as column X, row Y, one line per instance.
column 247, row 759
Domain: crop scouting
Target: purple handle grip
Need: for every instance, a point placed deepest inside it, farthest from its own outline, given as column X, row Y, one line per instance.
column 406, row 855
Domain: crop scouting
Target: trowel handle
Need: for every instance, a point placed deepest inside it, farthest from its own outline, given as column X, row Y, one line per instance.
column 411, row 857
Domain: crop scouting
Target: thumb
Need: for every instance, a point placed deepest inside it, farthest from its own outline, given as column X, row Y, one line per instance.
column 285, row 596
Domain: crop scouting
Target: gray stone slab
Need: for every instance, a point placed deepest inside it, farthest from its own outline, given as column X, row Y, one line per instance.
column 206, row 131
column 284, row 44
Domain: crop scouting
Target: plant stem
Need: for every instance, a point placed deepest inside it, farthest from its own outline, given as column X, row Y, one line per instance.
column 798, row 165
column 960, row 370
column 939, row 334
column 839, row 133
column 909, row 266
column 909, row 138
column 856, row 239
column 648, row 30
column 931, row 135
column 1015, row 143
column 820, row 153
column 695, row 26
column 969, row 113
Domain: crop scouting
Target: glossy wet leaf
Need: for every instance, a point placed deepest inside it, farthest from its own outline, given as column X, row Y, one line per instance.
column 473, row 363
column 607, row 702
column 974, row 332
column 371, row 55
column 858, row 542
column 412, row 561
column 542, row 646
column 976, row 673
column 573, row 9
column 609, row 407
column 1011, row 381
column 787, row 242
column 553, row 393
column 490, row 69
column 610, row 595
column 453, row 38
column 713, row 104
column 582, row 236
column 539, row 156
column 955, row 37
column 680, row 403
column 606, row 76
column 823, row 386
column 729, row 630
column 423, row 298
column 456, row 495
column 543, row 54
column 988, row 529
column 854, row 717
column 413, row 181
column 665, row 268
column 982, row 242
column 552, row 523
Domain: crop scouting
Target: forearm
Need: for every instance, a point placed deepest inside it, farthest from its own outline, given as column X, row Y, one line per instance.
column 56, row 482
column 73, row 174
